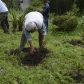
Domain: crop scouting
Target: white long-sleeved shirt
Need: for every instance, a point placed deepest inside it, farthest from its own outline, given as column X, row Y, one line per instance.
column 36, row 17
column 3, row 7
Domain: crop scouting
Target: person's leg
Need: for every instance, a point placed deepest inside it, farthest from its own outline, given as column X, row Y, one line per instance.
column 4, row 26
column 46, row 23
column 0, row 19
column 23, row 41
column 3, row 23
column 41, row 40
column 6, row 22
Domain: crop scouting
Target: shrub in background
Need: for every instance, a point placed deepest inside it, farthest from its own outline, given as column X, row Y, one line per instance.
column 73, row 11
column 17, row 20
column 61, row 6
column 20, row 21
column 14, row 18
column 80, row 4
column 65, row 22
column 35, row 5
column 12, row 3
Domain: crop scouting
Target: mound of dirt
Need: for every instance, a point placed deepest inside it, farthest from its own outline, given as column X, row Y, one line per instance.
column 35, row 58
column 30, row 59
column 77, row 42
column 77, row 75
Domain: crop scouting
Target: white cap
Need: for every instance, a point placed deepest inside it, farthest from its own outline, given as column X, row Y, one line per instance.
column 30, row 26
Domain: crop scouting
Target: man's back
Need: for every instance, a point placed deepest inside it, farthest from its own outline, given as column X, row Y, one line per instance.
column 36, row 17
column 3, row 7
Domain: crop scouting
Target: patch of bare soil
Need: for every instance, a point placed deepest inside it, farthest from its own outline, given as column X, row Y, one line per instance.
column 30, row 59
column 77, row 75
column 79, row 43
column 36, row 58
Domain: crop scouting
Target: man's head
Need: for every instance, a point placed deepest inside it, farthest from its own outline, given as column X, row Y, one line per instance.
column 31, row 26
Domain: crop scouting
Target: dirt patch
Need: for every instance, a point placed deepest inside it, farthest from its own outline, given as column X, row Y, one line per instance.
column 35, row 58
column 27, row 58
column 14, row 52
column 79, row 43
column 77, row 75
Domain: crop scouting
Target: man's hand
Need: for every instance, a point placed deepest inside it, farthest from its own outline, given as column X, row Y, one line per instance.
column 32, row 49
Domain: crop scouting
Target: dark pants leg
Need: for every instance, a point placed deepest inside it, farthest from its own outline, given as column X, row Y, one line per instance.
column 4, row 22
column 4, row 26
column 46, row 23
column 23, row 41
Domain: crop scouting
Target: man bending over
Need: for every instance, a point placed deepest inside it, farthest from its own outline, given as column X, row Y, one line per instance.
column 33, row 22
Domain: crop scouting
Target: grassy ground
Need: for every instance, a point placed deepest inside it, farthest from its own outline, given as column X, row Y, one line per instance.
column 62, row 65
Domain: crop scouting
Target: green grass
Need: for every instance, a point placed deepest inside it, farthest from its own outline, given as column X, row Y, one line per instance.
column 60, row 67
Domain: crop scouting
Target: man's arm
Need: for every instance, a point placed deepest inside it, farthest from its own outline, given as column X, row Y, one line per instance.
column 31, row 47
column 42, row 34
column 41, row 40
column 29, row 40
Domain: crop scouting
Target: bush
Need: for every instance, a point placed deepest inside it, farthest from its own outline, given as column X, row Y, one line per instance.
column 17, row 20
column 65, row 23
column 14, row 19
column 35, row 5
column 74, row 11
column 80, row 4
column 20, row 21
column 12, row 4
column 61, row 6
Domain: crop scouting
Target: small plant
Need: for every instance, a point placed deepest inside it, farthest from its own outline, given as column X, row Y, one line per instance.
column 35, row 6
column 20, row 21
column 65, row 22
column 17, row 20
column 73, row 11
column 14, row 20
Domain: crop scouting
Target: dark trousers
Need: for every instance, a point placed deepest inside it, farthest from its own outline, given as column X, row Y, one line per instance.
column 4, row 21
column 23, row 41
column 46, row 23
